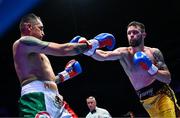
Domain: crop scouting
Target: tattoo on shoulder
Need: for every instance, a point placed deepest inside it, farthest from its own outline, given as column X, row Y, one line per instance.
column 31, row 41
column 159, row 59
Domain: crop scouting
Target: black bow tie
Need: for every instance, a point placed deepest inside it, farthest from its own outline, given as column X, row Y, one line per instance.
column 93, row 111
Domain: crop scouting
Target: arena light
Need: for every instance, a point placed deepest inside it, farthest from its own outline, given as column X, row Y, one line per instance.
column 11, row 10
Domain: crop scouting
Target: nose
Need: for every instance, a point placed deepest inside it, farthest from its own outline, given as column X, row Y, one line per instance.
column 131, row 35
column 42, row 33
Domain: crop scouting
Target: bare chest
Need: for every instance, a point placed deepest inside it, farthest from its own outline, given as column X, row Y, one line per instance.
column 137, row 76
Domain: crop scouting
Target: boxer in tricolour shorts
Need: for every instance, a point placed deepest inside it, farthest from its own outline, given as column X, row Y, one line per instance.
column 50, row 102
column 39, row 92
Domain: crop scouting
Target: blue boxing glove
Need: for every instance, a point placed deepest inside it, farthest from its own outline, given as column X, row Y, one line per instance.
column 76, row 39
column 102, row 40
column 72, row 69
column 143, row 60
column 106, row 40
column 92, row 44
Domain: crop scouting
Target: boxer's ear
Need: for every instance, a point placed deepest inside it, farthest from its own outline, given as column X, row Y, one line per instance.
column 26, row 28
column 144, row 34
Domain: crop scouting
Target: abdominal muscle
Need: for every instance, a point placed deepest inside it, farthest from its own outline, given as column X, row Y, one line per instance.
column 140, row 80
column 138, row 77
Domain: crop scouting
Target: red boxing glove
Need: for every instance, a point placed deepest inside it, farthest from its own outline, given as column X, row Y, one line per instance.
column 72, row 69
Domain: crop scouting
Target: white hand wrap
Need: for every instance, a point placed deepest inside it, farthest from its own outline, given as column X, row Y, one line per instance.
column 65, row 75
column 95, row 44
column 153, row 70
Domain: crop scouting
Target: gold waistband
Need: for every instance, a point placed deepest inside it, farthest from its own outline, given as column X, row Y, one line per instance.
column 27, row 80
column 47, row 84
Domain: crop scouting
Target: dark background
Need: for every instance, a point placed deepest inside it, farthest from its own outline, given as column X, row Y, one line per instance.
column 64, row 19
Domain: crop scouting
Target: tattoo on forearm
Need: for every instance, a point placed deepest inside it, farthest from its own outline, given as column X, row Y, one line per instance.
column 81, row 48
column 159, row 59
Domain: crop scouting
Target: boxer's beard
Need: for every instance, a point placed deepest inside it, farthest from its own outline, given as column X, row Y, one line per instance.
column 136, row 43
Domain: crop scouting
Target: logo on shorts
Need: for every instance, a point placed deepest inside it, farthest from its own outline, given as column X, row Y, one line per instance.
column 42, row 114
column 58, row 102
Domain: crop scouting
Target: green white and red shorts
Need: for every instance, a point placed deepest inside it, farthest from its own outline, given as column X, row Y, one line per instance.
column 40, row 99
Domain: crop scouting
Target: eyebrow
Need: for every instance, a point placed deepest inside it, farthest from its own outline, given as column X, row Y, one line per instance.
column 41, row 27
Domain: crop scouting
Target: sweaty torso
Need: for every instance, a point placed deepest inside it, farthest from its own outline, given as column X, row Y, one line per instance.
column 138, row 77
column 30, row 64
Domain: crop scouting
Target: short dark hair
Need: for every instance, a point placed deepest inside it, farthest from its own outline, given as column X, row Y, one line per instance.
column 135, row 23
column 29, row 18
